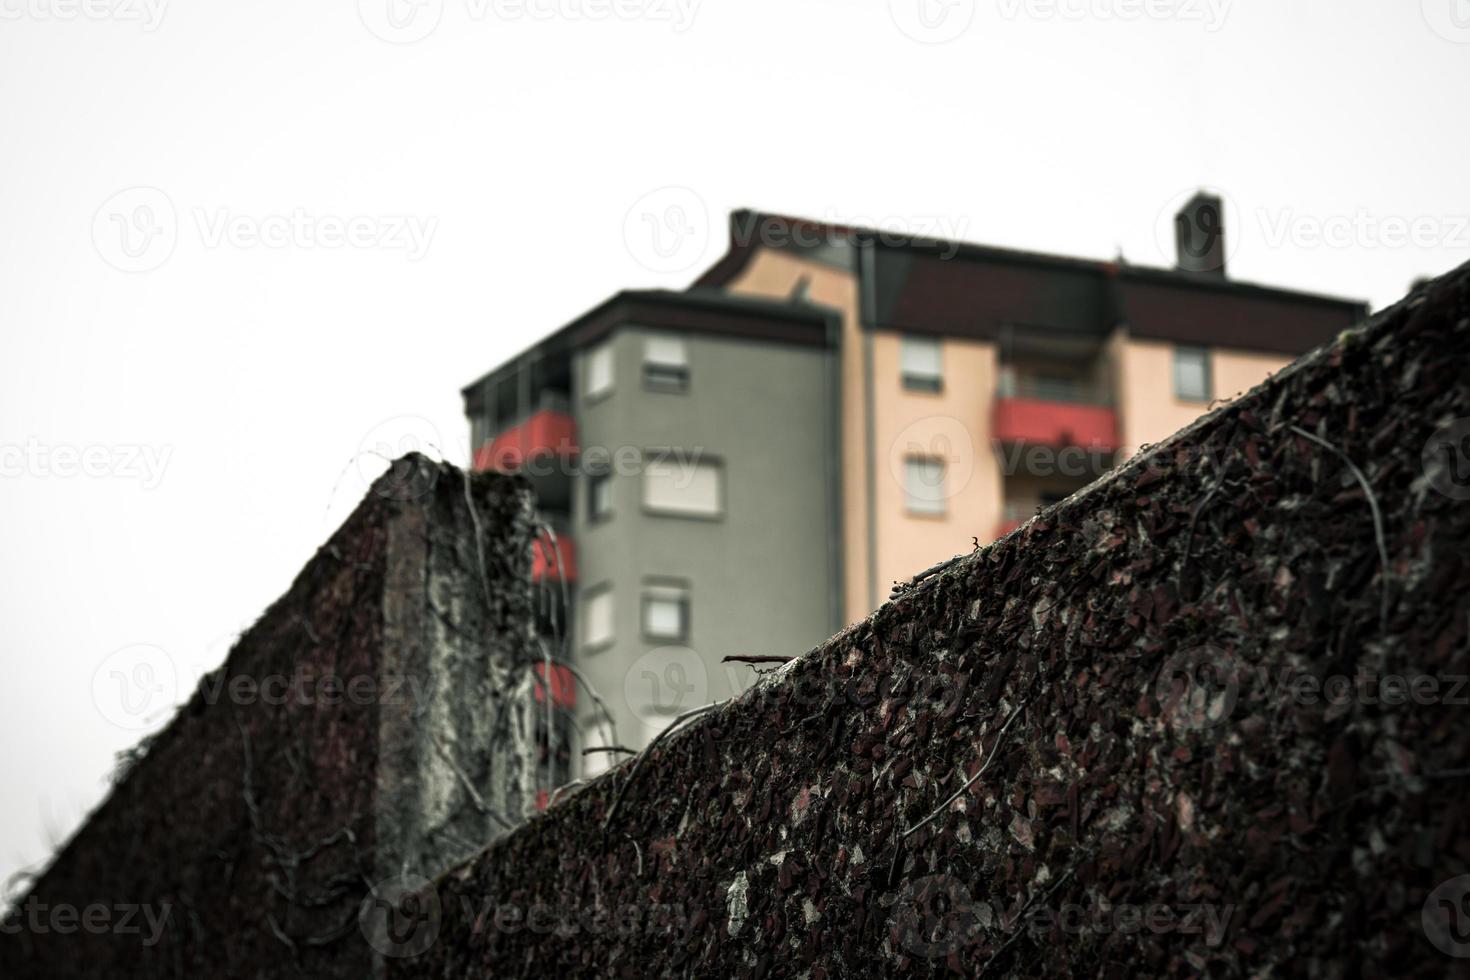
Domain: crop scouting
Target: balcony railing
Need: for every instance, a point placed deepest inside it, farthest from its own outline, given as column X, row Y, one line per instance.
column 544, row 563
column 545, row 433
column 1045, row 389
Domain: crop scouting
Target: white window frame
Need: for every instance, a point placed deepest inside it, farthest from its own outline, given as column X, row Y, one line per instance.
column 665, row 363
column 589, row 617
column 595, row 481
column 929, row 501
column 599, row 372
column 1181, row 351
column 675, row 595
column 658, row 462
column 921, row 363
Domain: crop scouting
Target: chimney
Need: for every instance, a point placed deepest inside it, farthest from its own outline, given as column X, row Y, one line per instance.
column 1199, row 235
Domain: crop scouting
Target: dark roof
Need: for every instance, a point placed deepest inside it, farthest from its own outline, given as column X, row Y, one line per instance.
column 964, row 289
column 696, row 311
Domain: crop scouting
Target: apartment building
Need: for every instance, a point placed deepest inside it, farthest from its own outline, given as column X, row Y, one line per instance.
column 828, row 410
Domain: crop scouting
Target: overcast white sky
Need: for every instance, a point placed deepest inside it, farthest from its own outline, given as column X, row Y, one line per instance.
column 170, row 436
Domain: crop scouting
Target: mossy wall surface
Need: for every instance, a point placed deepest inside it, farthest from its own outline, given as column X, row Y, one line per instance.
column 258, row 821
column 1136, row 677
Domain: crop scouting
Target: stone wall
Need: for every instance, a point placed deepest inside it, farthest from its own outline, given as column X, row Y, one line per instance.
column 347, row 744
column 1207, row 716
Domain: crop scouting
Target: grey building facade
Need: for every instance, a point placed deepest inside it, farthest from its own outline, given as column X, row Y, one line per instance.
column 684, row 448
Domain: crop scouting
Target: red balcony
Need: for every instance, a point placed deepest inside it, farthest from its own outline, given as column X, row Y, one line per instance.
column 1060, row 424
column 544, row 566
column 563, row 686
column 546, row 433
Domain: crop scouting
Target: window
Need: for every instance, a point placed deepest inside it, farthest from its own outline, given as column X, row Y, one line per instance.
column 597, row 618
column 599, row 497
column 924, row 485
column 1192, row 374
column 679, row 486
column 666, row 613
column 665, row 364
column 922, row 363
column 599, row 380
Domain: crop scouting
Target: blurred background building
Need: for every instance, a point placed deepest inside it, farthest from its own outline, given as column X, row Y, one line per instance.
column 828, row 410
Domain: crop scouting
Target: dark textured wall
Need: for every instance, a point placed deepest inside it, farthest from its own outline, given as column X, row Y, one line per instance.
column 253, row 827
column 1164, row 788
